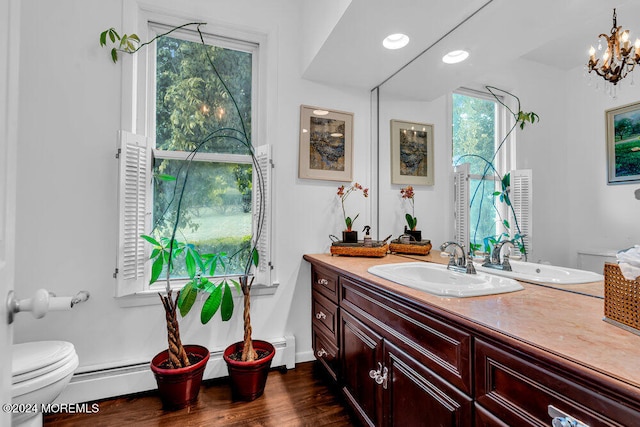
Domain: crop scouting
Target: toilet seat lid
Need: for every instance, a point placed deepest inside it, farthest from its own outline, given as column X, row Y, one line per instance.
column 32, row 356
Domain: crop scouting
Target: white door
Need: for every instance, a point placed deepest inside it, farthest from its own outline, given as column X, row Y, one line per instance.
column 9, row 58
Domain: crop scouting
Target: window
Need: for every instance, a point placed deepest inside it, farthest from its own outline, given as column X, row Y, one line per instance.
column 192, row 108
column 478, row 130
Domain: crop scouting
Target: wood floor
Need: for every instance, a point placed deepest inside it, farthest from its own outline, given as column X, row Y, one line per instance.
column 299, row 397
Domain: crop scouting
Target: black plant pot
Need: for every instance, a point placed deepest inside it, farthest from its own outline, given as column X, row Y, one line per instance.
column 416, row 234
column 350, row 237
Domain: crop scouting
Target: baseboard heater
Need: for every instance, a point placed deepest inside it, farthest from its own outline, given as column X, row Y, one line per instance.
column 123, row 380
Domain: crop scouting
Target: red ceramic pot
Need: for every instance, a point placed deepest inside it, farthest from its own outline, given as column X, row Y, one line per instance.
column 249, row 378
column 179, row 388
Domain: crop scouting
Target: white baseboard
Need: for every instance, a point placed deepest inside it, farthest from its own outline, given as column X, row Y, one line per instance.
column 305, row 356
column 119, row 381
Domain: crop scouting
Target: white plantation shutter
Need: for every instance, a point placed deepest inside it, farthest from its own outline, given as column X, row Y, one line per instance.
column 461, row 204
column 133, row 207
column 521, row 198
column 263, row 201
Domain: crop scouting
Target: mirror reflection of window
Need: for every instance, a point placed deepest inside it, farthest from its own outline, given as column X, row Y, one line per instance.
column 477, row 130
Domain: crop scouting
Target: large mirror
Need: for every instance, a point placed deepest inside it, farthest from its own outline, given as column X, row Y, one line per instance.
column 538, row 52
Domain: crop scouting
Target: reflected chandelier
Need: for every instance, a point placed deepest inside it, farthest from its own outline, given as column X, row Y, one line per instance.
column 620, row 57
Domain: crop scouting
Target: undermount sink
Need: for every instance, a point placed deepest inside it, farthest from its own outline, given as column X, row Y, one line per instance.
column 544, row 274
column 437, row 280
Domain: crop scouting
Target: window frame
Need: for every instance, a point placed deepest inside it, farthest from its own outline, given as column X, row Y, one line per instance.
column 139, row 115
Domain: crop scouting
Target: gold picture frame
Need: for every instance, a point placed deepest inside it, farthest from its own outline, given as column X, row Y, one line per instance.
column 623, row 144
column 326, row 144
column 411, row 153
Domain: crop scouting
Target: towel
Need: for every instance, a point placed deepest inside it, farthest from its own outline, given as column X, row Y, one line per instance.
column 629, row 262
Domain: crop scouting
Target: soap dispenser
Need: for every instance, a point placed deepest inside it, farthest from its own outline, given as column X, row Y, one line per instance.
column 367, row 238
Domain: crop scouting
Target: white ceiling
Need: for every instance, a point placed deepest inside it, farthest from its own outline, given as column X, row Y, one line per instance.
column 556, row 33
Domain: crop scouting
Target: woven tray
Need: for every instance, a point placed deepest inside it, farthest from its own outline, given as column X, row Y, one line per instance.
column 358, row 249
column 414, row 248
column 621, row 299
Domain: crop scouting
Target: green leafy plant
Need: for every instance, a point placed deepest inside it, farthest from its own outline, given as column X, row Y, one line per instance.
column 167, row 251
column 130, row 43
column 408, row 194
column 343, row 193
column 198, row 267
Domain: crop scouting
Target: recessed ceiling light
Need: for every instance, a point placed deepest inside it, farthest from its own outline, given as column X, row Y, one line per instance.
column 455, row 56
column 395, row 41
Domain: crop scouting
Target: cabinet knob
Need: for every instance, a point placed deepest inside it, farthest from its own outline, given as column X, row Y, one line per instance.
column 323, row 282
column 322, row 352
column 320, row 315
column 560, row 419
column 380, row 376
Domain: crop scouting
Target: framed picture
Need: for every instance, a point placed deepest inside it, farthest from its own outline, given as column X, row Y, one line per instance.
column 411, row 153
column 623, row 144
column 326, row 144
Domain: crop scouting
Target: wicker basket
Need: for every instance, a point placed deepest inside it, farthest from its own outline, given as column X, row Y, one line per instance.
column 414, row 248
column 358, row 249
column 621, row 299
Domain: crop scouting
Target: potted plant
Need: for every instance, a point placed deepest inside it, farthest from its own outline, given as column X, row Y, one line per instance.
column 349, row 235
column 184, row 364
column 410, row 229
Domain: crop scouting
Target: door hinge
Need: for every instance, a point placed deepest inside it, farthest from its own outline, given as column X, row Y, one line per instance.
column 118, row 153
column 115, row 274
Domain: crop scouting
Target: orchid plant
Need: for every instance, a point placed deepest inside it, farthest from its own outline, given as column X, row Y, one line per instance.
column 408, row 194
column 343, row 193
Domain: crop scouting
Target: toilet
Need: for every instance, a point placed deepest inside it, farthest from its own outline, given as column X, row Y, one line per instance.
column 40, row 371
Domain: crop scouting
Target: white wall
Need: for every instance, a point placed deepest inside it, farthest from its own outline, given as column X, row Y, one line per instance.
column 70, row 103
column 433, row 204
column 318, row 20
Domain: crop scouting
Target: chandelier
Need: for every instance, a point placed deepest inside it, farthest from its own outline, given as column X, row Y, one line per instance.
column 619, row 58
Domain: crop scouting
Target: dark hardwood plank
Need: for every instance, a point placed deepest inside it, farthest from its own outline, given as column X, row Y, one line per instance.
column 300, row 397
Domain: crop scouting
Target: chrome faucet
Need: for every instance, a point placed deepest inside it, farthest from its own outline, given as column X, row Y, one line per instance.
column 460, row 264
column 495, row 261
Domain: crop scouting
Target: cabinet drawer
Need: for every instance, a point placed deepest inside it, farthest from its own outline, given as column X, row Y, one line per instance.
column 518, row 391
column 326, row 282
column 326, row 352
column 325, row 316
column 438, row 345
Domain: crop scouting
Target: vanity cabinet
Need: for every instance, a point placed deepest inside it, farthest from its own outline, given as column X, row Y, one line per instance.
column 395, row 359
column 403, row 362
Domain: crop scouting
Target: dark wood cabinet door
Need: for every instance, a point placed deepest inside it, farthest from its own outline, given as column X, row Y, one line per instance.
column 326, row 352
column 361, row 354
column 415, row 396
column 519, row 389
